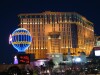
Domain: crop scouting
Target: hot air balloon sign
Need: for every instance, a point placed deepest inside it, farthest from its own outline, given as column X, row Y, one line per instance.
column 20, row 39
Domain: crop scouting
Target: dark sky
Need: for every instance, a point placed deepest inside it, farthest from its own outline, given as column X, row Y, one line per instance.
column 9, row 9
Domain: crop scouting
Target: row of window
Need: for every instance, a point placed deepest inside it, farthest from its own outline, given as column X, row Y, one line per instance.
column 65, row 15
column 34, row 29
column 48, row 21
column 53, row 17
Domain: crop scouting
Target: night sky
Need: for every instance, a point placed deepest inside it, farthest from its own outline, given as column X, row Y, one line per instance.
column 9, row 9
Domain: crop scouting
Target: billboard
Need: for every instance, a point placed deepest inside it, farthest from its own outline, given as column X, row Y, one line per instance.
column 23, row 59
column 97, row 52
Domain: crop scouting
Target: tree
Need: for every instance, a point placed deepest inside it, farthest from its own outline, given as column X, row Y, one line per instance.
column 14, row 70
column 51, row 63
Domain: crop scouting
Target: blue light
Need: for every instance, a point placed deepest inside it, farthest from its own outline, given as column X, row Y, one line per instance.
column 21, row 39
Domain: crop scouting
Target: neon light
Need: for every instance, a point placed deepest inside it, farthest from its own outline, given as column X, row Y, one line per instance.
column 21, row 39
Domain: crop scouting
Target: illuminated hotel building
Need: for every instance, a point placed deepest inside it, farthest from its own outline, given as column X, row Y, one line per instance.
column 57, row 32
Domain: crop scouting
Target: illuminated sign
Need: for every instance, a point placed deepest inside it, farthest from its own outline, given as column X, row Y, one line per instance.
column 24, row 59
column 97, row 52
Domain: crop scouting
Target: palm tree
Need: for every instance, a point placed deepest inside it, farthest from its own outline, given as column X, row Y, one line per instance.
column 50, row 65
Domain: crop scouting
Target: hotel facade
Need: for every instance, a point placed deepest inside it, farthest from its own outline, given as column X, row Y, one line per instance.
column 58, row 32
